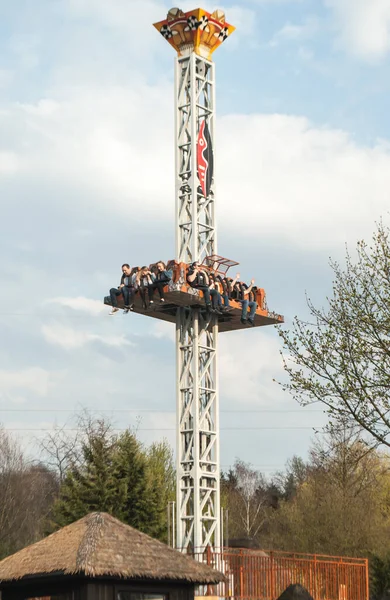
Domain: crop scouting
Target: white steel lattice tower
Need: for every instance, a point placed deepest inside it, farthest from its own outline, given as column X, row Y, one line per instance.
column 195, row 115
column 195, row 35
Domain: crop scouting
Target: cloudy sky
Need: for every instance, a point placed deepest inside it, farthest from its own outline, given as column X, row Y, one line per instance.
column 86, row 183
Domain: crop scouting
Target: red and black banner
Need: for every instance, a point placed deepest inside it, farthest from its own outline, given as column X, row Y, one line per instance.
column 205, row 158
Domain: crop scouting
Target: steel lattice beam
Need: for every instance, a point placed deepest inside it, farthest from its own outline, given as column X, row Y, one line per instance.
column 194, row 91
column 198, row 498
column 198, row 501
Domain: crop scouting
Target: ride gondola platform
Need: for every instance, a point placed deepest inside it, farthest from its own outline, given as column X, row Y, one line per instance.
column 179, row 294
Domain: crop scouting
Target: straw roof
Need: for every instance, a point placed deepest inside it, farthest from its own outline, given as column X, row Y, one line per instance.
column 100, row 545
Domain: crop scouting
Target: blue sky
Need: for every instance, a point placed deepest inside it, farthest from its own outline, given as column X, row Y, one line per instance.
column 86, row 183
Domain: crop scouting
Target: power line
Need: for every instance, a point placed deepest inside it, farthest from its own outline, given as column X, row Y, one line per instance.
column 168, row 428
column 147, row 410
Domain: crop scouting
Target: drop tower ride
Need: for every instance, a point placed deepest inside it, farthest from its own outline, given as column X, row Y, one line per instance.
column 195, row 35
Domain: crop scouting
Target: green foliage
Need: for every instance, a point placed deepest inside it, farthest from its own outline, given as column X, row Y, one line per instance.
column 341, row 358
column 90, row 485
column 340, row 505
column 130, row 474
column 161, row 485
column 115, row 474
column 379, row 576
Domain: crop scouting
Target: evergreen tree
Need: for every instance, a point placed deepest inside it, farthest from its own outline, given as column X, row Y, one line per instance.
column 117, row 475
column 130, row 473
column 380, row 577
column 91, row 485
column 160, row 486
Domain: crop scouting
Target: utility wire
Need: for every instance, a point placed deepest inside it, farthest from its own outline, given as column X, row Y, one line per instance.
column 146, row 410
column 166, row 428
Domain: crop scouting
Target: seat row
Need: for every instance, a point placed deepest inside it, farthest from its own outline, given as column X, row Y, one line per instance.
column 220, row 292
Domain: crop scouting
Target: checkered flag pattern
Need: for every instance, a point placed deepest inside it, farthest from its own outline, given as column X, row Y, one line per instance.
column 223, row 34
column 193, row 23
column 203, row 23
column 166, row 32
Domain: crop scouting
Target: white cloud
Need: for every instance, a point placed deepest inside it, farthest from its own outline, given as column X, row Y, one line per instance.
column 244, row 20
column 70, row 339
column 163, row 330
column 97, row 139
column 8, row 163
column 121, row 15
column 44, row 107
column 26, row 49
column 294, row 32
column 6, row 78
column 88, row 305
column 363, row 25
column 303, row 185
column 276, row 1
column 247, row 368
column 35, row 379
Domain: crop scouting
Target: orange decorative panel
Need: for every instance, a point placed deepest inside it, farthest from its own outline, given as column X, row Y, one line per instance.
column 195, row 31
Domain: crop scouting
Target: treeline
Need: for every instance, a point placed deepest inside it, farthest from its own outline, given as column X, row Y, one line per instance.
column 27, row 493
column 91, row 469
column 337, row 502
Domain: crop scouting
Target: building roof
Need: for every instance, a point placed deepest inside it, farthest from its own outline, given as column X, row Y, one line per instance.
column 100, row 545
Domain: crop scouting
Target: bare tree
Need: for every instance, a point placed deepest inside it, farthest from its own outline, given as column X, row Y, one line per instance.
column 248, row 501
column 60, row 449
column 12, row 466
column 26, row 495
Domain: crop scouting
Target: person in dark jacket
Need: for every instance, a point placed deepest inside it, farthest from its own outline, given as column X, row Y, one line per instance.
column 126, row 288
column 245, row 295
column 215, row 284
column 198, row 278
column 229, row 284
column 226, row 288
column 162, row 278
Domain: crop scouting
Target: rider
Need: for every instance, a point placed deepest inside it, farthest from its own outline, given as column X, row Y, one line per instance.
column 163, row 277
column 246, row 296
column 126, row 288
column 199, row 279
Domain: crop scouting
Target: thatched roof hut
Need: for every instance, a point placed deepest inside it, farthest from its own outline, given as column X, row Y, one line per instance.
column 99, row 547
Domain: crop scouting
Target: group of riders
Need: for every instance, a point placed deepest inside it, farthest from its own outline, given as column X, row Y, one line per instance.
column 217, row 289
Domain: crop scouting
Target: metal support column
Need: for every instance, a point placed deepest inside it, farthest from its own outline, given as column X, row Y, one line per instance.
column 195, row 99
column 198, row 495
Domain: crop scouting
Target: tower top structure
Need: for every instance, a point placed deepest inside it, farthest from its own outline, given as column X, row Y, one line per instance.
column 195, row 31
